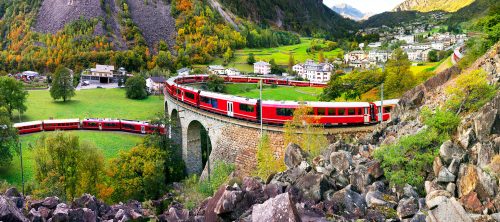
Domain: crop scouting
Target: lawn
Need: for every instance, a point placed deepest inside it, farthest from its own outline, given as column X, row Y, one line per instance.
column 97, row 103
column 278, row 93
column 280, row 55
column 109, row 142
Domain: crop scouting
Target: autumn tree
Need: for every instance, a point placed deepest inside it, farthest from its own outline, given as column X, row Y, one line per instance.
column 8, row 138
column 12, row 95
column 321, row 57
column 399, row 77
column 291, row 63
column 62, row 84
column 65, row 167
column 268, row 162
column 228, row 55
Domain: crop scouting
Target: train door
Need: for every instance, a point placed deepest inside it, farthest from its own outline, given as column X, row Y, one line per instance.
column 100, row 126
column 230, row 111
column 366, row 115
column 372, row 112
column 182, row 96
column 143, row 129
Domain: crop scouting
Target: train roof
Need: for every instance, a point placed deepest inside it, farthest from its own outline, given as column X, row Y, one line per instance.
column 16, row 125
column 339, row 104
column 61, row 121
column 102, row 120
column 228, row 97
column 134, row 121
column 388, row 102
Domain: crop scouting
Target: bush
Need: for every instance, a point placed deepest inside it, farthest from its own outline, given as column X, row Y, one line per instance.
column 470, row 92
column 410, row 160
column 136, row 87
column 219, row 176
column 443, row 121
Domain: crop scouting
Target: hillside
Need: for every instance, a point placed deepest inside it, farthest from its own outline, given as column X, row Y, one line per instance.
column 302, row 16
column 475, row 10
column 433, row 5
column 349, row 12
column 391, row 18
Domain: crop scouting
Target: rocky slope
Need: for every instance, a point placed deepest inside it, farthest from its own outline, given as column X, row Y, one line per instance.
column 433, row 5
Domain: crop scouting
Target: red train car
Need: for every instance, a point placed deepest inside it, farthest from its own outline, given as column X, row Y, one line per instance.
column 388, row 108
column 101, row 124
column 29, row 127
column 299, row 83
column 232, row 106
column 341, row 113
column 61, row 124
column 140, row 127
column 278, row 112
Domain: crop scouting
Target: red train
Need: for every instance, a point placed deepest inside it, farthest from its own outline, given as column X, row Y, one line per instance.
column 132, row 126
column 275, row 112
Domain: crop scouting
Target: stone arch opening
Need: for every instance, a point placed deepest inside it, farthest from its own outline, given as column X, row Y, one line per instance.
column 176, row 128
column 199, row 147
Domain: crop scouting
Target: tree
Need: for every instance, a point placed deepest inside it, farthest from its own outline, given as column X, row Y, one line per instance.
column 433, row 56
column 164, row 59
column 216, row 83
column 138, row 174
column 399, row 77
column 136, row 87
column 333, row 89
column 250, row 59
column 62, row 84
column 8, row 138
column 321, row 57
column 267, row 160
column 228, row 55
column 12, row 95
column 65, row 167
column 275, row 68
column 291, row 63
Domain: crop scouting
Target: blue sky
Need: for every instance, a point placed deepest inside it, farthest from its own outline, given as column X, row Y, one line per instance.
column 375, row 6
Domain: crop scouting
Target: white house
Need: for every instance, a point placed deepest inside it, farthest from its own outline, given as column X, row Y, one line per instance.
column 378, row 56
column 414, row 55
column 407, row 38
column 375, row 44
column 437, row 46
column 261, row 67
column 298, row 68
column 100, row 74
column 216, row 69
column 155, row 84
column 355, row 55
column 314, row 72
column 183, row 72
column 232, row 72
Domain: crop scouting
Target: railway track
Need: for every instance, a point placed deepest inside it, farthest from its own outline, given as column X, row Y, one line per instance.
column 274, row 128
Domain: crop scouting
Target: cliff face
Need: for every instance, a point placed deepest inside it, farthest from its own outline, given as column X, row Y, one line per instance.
column 433, row 5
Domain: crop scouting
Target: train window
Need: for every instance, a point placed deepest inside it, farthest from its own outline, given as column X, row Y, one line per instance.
column 284, row 112
column 247, row 108
column 189, row 95
column 332, row 112
column 310, row 111
column 321, row 111
column 351, row 111
column 360, row 111
column 205, row 100
column 387, row 109
column 214, row 103
column 341, row 111
column 178, row 91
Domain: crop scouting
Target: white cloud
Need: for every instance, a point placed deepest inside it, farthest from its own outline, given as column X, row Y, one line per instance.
column 375, row 6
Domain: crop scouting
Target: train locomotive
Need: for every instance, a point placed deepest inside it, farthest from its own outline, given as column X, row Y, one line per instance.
column 132, row 126
column 275, row 112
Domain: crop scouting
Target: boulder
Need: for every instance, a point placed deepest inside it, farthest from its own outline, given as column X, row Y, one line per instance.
column 294, row 155
column 467, row 138
column 82, row 215
column 484, row 122
column 360, row 178
column 485, row 153
column 347, row 203
column 92, row 203
column 471, row 203
column 35, row 216
column 175, row 214
column 210, row 215
column 449, row 151
column 436, row 197
column 272, row 190
column 448, row 210
column 454, row 166
column 61, row 213
column 376, row 199
column 407, row 207
column 445, row 176
column 472, row 178
column 233, row 204
column 374, row 169
column 409, row 191
column 9, row 211
column 437, row 164
column 419, row 217
column 312, row 186
column 12, row 192
column 51, row 202
column 451, row 187
column 340, row 160
column 279, row 208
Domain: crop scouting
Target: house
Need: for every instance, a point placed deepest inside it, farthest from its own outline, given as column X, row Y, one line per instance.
column 314, row 72
column 103, row 74
column 437, row 46
column 378, row 56
column 374, row 44
column 298, row 68
column 183, row 72
column 216, row 69
column 261, row 67
column 232, row 72
column 425, row 55
column 155, row 84
column 355, row 55
column 414, row 55
column 409, row 39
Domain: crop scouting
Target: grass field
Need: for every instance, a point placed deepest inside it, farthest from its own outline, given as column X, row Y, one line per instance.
column 109, row 142
column 278, row 93
column 98, row 103
column 280, row 55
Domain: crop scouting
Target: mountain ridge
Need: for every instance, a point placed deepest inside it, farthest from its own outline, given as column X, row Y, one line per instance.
column 350, row 12
column 433, row 5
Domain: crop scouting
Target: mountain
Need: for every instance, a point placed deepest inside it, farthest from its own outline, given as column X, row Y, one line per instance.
column 307, row 17
column 477, row 9
column 350, row 12
column 433, row 5
column 391, row 19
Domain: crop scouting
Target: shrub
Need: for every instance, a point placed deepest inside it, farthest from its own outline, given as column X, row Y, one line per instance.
column 219, row 176
column 470, row 92
column 267, row 162
column 441, row 120
column 410, row 160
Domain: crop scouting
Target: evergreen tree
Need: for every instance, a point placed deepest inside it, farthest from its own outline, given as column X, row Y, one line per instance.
column 62, row 84
column 250, row 59
column 291, row 63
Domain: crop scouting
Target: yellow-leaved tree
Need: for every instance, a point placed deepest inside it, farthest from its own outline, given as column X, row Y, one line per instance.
column 268, row 161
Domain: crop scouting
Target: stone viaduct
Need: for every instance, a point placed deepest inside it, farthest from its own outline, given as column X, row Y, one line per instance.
column 231, row 140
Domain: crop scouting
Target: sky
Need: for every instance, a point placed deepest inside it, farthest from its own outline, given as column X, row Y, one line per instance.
column 374, row 6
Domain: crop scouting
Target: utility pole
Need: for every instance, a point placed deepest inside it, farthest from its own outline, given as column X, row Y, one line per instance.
column 381, row 111
column 261, row 126
column 208, row 155
column 22, row 168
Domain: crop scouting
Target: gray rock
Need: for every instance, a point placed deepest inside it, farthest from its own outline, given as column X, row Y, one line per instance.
column 294, row 155
column 360, row 178
column 347, row 203
column 445, row 176
column 467, row 138
column 12, row 192
column 341, row 160
column 484, row 154
column 454, row 166
column 374, row 169
column 419, row 217
column 280, row 208
column 484, row 122
column 378, row 199
column 451, row 187
column 436, row 197
column 408, row 191
column 437, row 164
column 175, row 214
column 313, row 186
column 61, row 213
column 407, row 207
column 449, row 210
column 449, row 151
column 9, row 211
column 35, row 216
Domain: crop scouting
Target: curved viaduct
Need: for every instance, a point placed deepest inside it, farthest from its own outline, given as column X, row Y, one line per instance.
column 231, row 140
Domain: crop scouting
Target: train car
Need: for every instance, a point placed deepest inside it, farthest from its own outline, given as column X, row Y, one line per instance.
column 189, row 95
column 61, row 124
column 299, row 83
column 238, row 79
column 278, row 112
column 318, row 85
column 29, row 127
column 389, row 106
column 341, row 113
column 101, row 124
column 232, row 106
column 134, row 126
